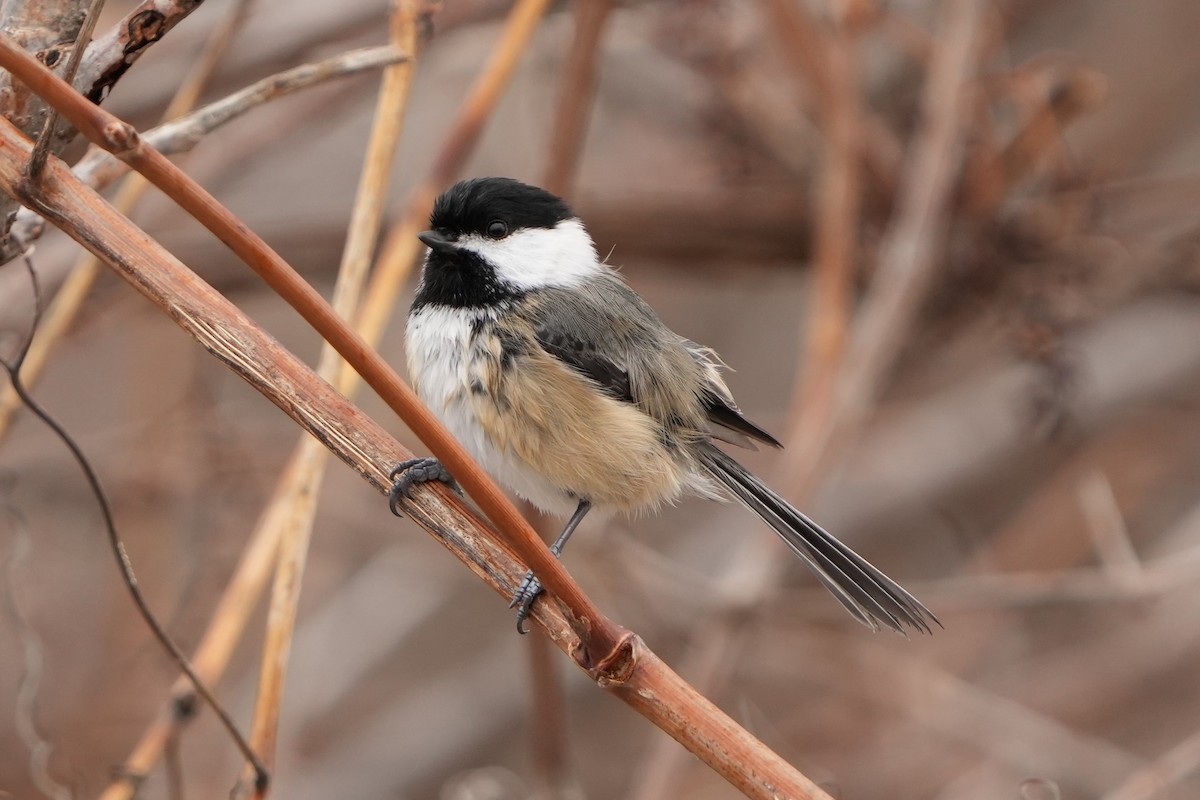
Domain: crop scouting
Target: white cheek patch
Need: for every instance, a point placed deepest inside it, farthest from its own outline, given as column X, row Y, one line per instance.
column 537, row 258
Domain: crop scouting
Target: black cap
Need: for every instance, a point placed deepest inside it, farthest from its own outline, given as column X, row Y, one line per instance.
column 471, row 206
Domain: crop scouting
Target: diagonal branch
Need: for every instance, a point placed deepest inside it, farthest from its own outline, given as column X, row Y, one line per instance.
column 111, row 54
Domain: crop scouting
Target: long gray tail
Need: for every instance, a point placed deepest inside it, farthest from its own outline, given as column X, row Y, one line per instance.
column 872, row 597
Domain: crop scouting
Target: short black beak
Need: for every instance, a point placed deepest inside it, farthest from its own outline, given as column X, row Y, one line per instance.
column 436, row 241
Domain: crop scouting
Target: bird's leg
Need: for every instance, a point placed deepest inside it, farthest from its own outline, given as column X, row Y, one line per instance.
column 531, row 587
column 412, row 472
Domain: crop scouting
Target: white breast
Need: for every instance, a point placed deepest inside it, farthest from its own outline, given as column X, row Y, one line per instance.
column 439, row 349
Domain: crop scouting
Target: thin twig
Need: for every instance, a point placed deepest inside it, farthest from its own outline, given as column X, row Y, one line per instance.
column 99, row 168
column 229, row 620
column 118, row 547
column 113, row 52
column 173, row 759
column 49, row 29
column 42, row 146
column 807, row 46
column 1106, row 526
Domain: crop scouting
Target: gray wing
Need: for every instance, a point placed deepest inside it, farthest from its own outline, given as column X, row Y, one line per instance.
column 582, row 356
column 607, row 333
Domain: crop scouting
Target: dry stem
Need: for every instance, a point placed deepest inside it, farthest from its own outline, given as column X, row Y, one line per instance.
column 576, row 97
column 45, row 139
column 828, row 319
column 112, row 53
column 299, row 494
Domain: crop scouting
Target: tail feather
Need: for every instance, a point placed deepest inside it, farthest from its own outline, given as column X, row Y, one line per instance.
column 870, row 596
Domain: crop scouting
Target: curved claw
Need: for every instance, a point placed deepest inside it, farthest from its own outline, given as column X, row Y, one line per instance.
column 523, row 599
column 413, row 472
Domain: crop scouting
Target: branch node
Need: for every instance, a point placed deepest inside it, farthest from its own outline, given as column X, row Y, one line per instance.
column 121, row 136
column 616, row 667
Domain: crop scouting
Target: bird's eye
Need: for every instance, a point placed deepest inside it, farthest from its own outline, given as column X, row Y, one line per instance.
column 497, row 229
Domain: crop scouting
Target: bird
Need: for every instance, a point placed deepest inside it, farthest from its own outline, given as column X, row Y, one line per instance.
column 567, row 387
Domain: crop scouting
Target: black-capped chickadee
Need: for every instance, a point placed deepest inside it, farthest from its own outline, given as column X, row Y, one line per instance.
column 567, row 387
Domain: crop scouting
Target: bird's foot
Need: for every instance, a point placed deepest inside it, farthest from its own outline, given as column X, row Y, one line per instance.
column 522, row 601
column 530, row 586
column 413, row 472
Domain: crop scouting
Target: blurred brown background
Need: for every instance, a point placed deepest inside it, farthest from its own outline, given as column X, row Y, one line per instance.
column 1029, row 467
